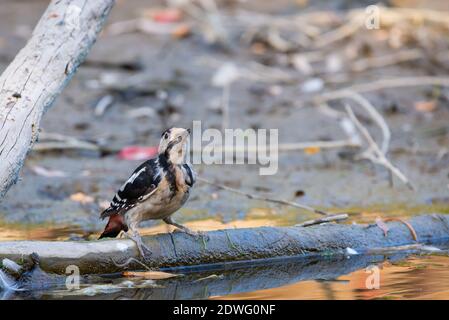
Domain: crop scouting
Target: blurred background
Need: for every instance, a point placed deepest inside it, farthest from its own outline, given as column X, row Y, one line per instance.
column 267, row 64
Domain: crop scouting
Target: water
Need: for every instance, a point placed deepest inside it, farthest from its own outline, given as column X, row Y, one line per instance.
column 417, row 277
column 412, row 277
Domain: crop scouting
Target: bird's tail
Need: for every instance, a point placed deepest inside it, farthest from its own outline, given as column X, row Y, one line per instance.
column 115, row 224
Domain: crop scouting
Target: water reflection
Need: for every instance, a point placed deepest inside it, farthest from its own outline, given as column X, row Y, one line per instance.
column 423, row 277
column 283, row 279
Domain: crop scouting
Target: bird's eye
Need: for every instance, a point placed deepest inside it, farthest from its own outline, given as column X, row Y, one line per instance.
column 166, row 135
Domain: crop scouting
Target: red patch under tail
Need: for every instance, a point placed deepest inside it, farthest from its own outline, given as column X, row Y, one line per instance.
column 115, row 224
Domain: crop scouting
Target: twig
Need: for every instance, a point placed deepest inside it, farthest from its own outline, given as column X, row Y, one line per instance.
column 317, row 144
column 74, row 145
column 408, row 225
column 103, row 104
column 420, row 248
column 344, row 31
column 54, row 141
column 286, row 147
column 373, row 153
column 144, row 26
column 254, row 71
column 377, row 117
column 391, row 16
column 257, row 197
column 383, row 84
column 330, row 218
column 386, row 60
column 262, row 73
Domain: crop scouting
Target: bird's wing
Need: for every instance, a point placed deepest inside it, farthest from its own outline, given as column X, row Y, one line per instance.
column 139, row 187
column 189, row 174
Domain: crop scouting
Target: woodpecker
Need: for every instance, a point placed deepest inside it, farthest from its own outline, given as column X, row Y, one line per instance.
column 155, row 190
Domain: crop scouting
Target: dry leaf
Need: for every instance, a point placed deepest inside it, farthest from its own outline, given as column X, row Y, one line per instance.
column 81, row 197
column 258, row 48
column 425, row 106
column 312, row 150
column 151, row 275
column 181, row 31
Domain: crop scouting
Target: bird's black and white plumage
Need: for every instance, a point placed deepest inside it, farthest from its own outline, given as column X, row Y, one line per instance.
column 155, row 190
column 142, row 182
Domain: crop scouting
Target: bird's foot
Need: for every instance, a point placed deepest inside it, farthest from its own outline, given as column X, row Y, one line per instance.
column 196, row 234
column 181, row 228
column 144, row 251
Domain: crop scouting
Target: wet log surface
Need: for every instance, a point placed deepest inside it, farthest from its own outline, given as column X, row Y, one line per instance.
column 226, row 248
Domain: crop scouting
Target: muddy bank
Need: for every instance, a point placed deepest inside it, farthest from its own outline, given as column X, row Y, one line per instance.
column 418, row 144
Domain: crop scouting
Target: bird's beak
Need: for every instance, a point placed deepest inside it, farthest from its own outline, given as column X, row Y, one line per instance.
column 186, row 134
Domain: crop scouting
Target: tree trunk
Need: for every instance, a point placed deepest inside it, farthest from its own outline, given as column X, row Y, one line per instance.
column 39, row 72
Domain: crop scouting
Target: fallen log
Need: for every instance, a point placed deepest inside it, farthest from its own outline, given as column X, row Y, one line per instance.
column 225, row 248
column 38, row 74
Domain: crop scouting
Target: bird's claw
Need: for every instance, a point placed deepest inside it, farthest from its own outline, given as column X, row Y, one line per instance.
column 145, row 252
column 201, row 235
column 198, row 235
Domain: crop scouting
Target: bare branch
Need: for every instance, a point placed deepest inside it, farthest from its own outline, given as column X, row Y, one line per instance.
column 383, row 84
column 330, row 218
column 54, row 141
column 373, row 153
column 386, row 60
column 257, row 197
column 286, row 147
column 377, row 117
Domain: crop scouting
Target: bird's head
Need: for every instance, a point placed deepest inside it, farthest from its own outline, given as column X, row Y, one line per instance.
column 175, row 144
